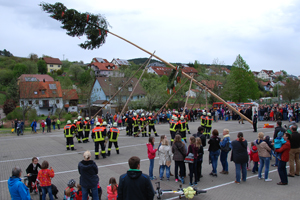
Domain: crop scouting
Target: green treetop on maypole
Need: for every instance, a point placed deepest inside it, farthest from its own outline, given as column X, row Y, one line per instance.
column 77, row 24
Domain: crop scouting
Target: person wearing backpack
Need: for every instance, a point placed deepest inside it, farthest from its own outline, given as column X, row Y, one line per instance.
column 225, row 145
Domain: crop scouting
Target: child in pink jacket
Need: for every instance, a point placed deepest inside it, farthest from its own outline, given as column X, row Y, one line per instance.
column 151, row 155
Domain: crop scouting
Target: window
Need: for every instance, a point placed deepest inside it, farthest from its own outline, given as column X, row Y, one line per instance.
column 22, row 102
column 51, row 70
column 53, row 91
column 130, row 89
column 36, row 101
column 58, row 65
column 35, row 92
column 57, row 100
column 43, row 91
column 51, row 65
column 30, row 102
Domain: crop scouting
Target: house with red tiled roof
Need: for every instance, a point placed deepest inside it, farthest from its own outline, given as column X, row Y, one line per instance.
column 34, row 77
column 53, row 64
column 190, row 71
column 120, row 62
column 105, row 87
column 268, row 86
column 160, row 71
column 45, row 97
column 265, row 74
column 255, row 73
column 70, row 98
column 103, row 68
column 280, row 73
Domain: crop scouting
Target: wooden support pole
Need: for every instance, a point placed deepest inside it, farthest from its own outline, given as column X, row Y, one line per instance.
column 121, row 87
column 135, row 87
column 165, row 104
column 188, row 76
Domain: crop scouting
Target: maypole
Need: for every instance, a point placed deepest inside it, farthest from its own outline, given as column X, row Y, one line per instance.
column 95, row 27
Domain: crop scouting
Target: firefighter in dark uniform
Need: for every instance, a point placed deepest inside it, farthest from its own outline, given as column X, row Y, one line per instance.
column 113, row 135
column 127, row 127
column 203, row 122
column 75, row 128
column 143, row 126
column 98, row 137
column 135, row 125
column 182, row 125
column 254, row 121
column 151, row 125
column 173, row 128
column 79, row 125
column 187, row 124
column 69, row 132
column 104, row 125
column 87, row 128
column 209, row 120
column 130, row 124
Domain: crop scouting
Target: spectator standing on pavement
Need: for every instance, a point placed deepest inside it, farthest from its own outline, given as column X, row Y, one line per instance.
column 151, row 155
column 284, row 150
column 92, row 121
column 214, row 151
column 16, row 125
column 44, row 176
column 53, row 124
column 264, row 156
column 22, row 127
column 48, row 123
column 58, row 124
column 134, row 184
column 17, row 189
column 33, row 126
column 43, row 125
column 224, row 153
column 179, row 152
column 89, row 179
column 294, row 153
column 278, row 129
column 239, row 155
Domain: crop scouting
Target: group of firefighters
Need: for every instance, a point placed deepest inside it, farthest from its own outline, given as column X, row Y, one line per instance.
column 136, row 124
column 81, row 129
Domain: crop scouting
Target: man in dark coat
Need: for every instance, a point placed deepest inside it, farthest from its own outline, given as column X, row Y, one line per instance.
column 134, row 184
column 48, row 122
column 255, row 121
column 200, row 135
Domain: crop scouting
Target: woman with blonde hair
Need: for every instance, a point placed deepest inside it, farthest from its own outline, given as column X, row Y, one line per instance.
column 165, row 158
column 225, row 142
column 264, row 156
column 89, row 179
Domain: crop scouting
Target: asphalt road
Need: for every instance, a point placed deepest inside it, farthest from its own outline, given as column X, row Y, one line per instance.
column 18, row 151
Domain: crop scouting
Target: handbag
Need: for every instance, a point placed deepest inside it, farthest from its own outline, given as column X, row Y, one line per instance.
column 189, row 158
column 226, row 148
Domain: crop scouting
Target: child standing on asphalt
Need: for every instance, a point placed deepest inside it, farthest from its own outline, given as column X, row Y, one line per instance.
column 151, row 155
column 254, row 157
column 112, row 189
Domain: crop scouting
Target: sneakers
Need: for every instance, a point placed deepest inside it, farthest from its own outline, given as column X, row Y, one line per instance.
column 195, row 183
column 191, row 184
column 268, row 180
column 153, row 178
column 182, row 180
column 259, row 178
column 168, row 179
column 214, row 174
column 161, row 179
column 176, row 180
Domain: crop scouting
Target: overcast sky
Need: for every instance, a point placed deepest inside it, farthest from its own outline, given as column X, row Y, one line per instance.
column 265, row 33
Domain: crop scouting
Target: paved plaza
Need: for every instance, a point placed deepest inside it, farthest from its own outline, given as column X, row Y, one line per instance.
column 18, row 151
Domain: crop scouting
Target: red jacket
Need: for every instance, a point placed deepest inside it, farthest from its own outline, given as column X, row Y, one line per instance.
column 254, row 154
column 151, row 152
column 285, row 150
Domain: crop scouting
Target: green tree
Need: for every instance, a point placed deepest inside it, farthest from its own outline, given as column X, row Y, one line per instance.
column 240, row 84
column 66, row 65
column 291, row 90
column 5, row 76
column 33, row 57
column 42, row 67
column 76, row 71
column 86, row 77
column 31, row 67
column 66, row 83
column 13, row 90
column 19, row 69
column 9, row 106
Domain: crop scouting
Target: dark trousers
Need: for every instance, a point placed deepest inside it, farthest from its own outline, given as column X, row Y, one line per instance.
column 181, row 166
column 80, row 135
column 199, row 170
column 101, row 143
column 255, row 167
column 135, row 130
column 193, row 171
column 48, row 128
column 58, row 126
column 255, row 127
column 282, row 171
column 87, row 134
column 115, row 144
column 70, row 143
column 130, row 130
column 183, row 135
column 152, row 127
column 173, row 133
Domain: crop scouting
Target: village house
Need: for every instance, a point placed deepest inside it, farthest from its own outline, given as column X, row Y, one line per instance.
column 34, row 77
column 160, row 71
column 120, row 62
column 44, row 97
column 156, row 64
column 104, row 68
column 70, row 100
column 190, row 71
column 268, row 86
column 266, row 74
column 193, row 93
column 105, row 87
column 53, row 64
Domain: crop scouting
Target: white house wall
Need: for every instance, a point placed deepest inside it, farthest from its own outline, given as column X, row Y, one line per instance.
column 44, row 111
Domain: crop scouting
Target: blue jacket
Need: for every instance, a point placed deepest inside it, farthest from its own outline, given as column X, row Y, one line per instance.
column 17, row 189
column 224, row 142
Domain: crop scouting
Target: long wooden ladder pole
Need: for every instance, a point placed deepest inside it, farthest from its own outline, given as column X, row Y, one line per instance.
column 187, row 98
column 135, row 87
column 188, row 76
column 164, row 105
column 121, row 88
